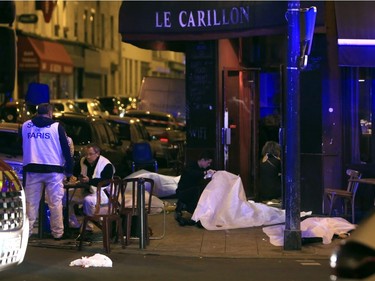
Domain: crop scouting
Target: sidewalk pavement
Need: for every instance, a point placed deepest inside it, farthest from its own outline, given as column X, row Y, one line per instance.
column 192, row 241
column 235, row 243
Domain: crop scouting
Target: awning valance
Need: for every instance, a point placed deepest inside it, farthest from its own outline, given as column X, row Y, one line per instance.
column 159, row 24
column 356, row 34
column 42, row 56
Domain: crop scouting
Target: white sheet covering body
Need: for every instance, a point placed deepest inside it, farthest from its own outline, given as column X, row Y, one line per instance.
column 164, row 185
column 223, row 205
column 325, row 228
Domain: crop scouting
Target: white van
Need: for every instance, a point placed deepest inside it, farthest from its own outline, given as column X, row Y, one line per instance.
column 163, row 95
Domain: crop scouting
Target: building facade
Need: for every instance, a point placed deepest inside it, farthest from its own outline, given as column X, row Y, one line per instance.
column 75, row 48
column 236, row 74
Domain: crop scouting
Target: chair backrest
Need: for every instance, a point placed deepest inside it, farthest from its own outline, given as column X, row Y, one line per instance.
column 352, row 185
column 142, row 152
column 113, row 190
column 134, row 184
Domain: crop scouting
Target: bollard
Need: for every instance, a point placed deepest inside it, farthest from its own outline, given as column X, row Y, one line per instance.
column 141, row 213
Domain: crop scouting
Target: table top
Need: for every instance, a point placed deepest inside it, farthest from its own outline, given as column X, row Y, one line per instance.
column 365, row 180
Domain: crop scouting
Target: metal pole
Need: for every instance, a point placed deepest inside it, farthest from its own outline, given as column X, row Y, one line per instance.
column 292, row 233
column 141, row 213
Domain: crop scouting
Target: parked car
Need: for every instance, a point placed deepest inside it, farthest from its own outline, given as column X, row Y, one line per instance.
column 14, row 226
column 131, row 130
column 11, row 146
column 92, row 107
column 90, row 129
column 16, row 111
column 114, row 105
column 117, row 105
column 65, row 105
column 164, row 127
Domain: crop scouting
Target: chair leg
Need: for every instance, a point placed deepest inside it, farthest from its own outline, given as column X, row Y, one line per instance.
column 128, row 228
column 106, row 235
column 126, row 221
column 82, row 234
column 331, row 199
column 353, row 211
column 120, row 233
column 147, row 230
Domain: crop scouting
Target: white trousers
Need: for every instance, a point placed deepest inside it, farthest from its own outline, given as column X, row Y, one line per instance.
column 54, row 189
column 88, row 200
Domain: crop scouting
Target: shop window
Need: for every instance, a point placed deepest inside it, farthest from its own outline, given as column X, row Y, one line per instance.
column 358, row 105
column 365, row 116
column 269, row 107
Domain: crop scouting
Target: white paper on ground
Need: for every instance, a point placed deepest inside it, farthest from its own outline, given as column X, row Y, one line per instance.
column 97, row 260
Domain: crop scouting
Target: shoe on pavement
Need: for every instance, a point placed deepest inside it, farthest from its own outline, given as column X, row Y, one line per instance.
column 199, row 224
column 63, row 237
column 90, row 227
column 74, row 223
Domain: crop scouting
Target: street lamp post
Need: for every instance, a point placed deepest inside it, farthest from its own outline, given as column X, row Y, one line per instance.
column 292, row 232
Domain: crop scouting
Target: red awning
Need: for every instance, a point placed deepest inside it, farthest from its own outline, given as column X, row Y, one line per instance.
column 43, row 56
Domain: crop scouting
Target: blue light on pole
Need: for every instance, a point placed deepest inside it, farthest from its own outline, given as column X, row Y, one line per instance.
column 307, row 21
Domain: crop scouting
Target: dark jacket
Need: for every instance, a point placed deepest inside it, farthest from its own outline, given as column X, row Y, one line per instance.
column 270, row 179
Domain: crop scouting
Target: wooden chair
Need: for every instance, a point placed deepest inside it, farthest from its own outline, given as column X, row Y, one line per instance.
column 130, row 210
column 348, row 194
column 106, row 214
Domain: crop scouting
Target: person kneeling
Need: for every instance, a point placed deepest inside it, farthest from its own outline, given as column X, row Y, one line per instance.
column 194, row 179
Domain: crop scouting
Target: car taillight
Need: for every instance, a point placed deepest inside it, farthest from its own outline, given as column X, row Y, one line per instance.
column 164, row 140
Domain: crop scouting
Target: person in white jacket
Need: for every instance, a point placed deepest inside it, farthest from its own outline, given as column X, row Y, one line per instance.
column 91, row 169
column 46, row 162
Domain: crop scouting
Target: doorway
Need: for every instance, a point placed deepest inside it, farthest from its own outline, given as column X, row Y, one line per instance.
column 241, row 101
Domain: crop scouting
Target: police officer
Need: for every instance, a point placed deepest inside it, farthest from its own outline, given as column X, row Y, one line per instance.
column 46, row 160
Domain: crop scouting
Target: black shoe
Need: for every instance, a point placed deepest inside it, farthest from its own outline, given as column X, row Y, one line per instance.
column 180, row 206
column 88, row 236
column 63, row 237
column 191, row 222
column 181, row 221
column 199, row 225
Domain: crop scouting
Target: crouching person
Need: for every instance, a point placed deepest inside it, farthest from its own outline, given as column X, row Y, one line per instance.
column 190, row 187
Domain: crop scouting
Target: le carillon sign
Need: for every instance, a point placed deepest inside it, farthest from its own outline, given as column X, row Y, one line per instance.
column 192, row 20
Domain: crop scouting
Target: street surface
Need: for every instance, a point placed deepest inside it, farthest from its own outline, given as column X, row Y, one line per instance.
column 51, row 264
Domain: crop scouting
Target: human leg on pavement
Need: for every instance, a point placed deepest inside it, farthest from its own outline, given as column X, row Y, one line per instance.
column 33, row 193
column 76, row 197
column 89, row 203
column 55, row 190
column 187, row 201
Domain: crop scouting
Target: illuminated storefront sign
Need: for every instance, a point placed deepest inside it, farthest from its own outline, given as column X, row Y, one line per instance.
column 189, row 20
